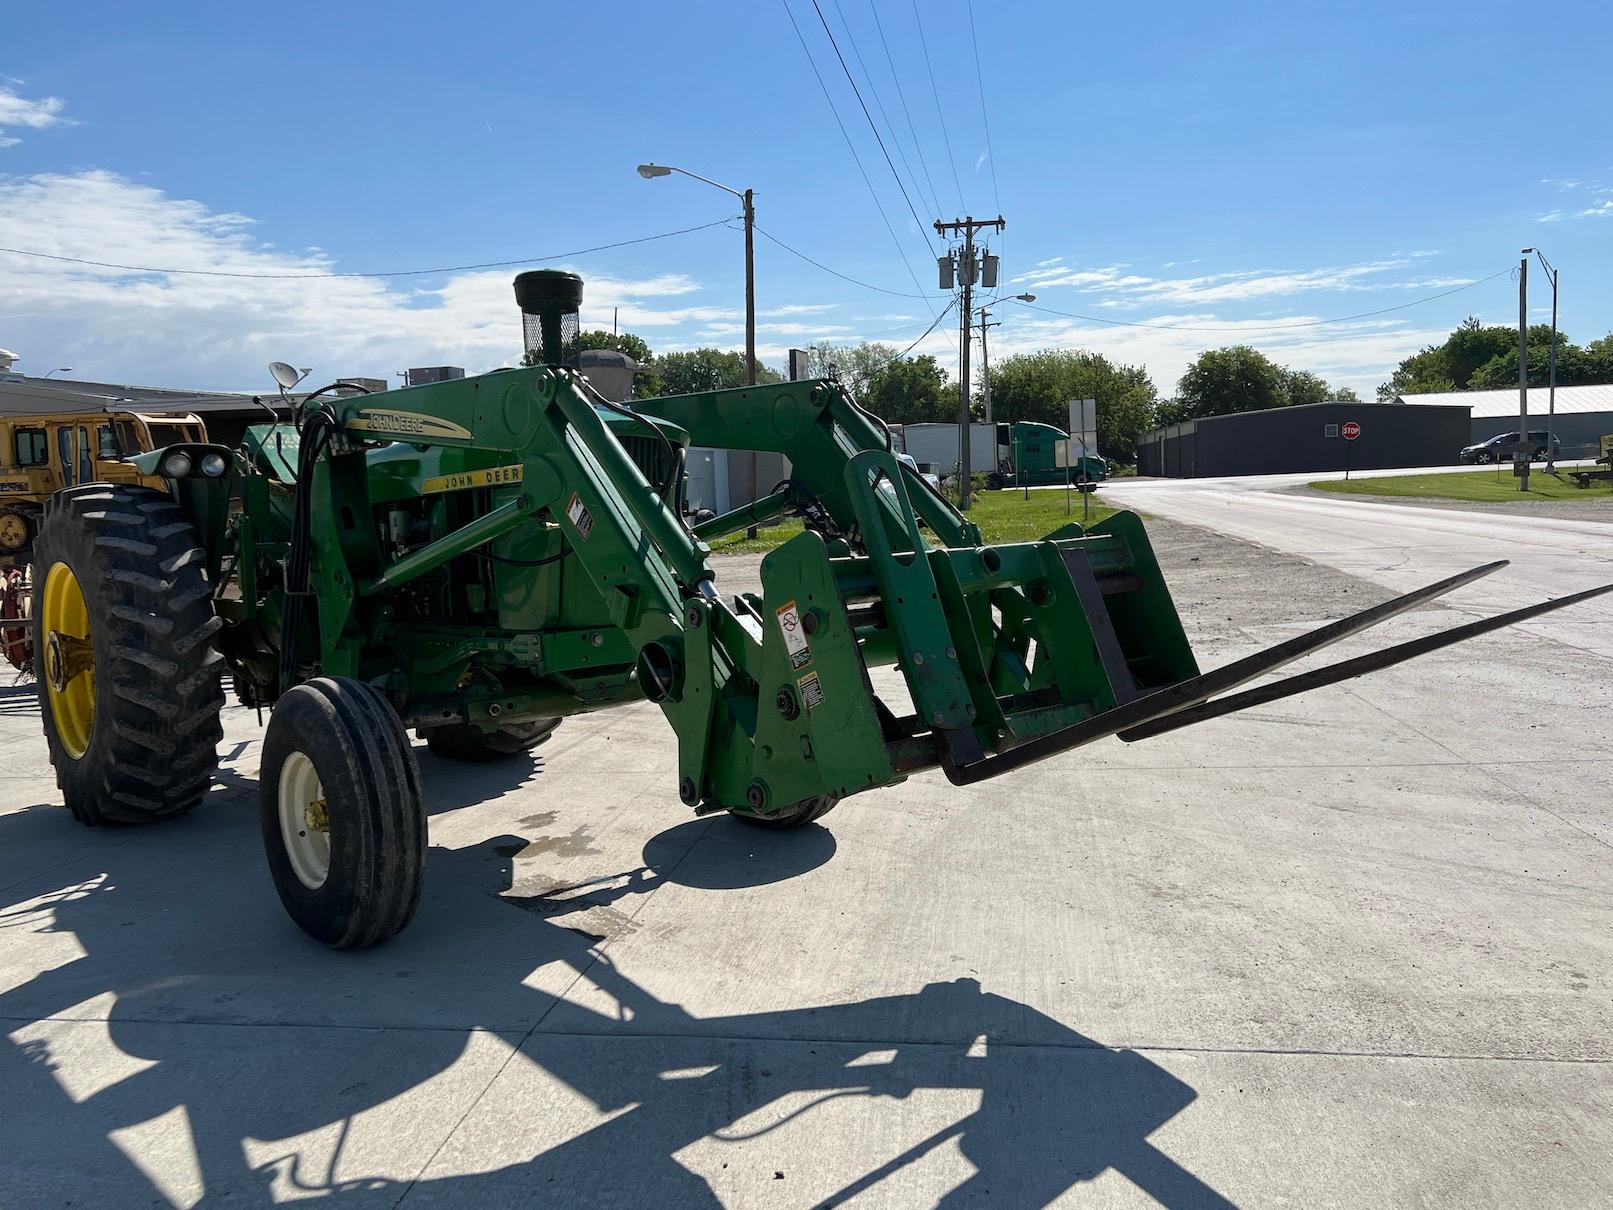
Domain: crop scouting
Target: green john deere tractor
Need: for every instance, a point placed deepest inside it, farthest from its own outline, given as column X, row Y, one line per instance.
column 477, row 559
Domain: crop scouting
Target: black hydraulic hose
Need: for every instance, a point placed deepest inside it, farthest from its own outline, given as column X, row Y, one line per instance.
column 325, row 426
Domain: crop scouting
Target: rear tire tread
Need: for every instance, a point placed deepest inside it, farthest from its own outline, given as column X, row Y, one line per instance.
column 153, row 745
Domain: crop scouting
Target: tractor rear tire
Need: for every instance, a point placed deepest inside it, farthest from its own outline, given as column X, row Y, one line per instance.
column 343, row 813
column 128, row 670
column 808, row 810
column 462, row 742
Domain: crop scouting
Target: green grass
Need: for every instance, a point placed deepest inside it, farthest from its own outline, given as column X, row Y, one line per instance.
column 1486, row 486
column 1003, row 516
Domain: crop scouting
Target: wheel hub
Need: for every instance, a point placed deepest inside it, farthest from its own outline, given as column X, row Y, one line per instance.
column 304, row 820
column 69, row 659
column 66, row 657
column 13, row 532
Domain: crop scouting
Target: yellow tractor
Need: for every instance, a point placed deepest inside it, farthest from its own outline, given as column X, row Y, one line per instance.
column 43, row 453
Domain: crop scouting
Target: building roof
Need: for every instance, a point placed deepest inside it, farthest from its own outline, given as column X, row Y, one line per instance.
column 1488, row 404
column 1457, row 399
column 21, row 395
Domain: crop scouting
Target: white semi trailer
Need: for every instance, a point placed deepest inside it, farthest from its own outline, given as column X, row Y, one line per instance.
column 935, row 447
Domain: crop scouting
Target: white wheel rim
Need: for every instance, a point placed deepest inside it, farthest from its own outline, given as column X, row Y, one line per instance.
column 302, row 803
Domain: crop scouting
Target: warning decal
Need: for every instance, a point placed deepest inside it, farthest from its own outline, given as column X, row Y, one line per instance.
column 811, row 691
column 795, row 640
column 579, row 515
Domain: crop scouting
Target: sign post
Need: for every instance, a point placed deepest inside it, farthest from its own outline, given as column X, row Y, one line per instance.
column 1083, row 433
column 1349, row 431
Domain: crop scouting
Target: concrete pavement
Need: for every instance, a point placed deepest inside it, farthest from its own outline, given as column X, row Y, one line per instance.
column 1356, row 948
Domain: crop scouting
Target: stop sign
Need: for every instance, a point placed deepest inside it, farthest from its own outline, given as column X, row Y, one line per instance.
column 1351, row 430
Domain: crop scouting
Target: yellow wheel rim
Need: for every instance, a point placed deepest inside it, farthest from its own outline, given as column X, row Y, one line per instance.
column 69, row 664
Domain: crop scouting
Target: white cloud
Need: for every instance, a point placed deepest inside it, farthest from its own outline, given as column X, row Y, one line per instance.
column 800, row 309
column 219, row 332
column 1137, row 290
column 18, row 110
column 1359, row 355
column 719, row 330
column 1602, row 209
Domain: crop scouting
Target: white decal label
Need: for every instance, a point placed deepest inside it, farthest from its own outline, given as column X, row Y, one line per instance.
column 811, row 691
column 578, row 512
column 795, row 640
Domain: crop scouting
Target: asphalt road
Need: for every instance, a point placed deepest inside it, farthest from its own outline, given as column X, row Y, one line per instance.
column 1402, row 547
column 1350, row 949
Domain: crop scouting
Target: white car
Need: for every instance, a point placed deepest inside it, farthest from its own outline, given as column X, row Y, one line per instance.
column 907, row 461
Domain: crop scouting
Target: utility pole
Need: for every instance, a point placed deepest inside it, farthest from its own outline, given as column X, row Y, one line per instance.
column 1522, row 451
column 1552, row 274
column 967, row 270
column 750, row 297
column 985, row 361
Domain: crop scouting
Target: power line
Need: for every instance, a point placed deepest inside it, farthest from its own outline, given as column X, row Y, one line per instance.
column 879, row 102
column 500, row 264
column 1305, row 323
column 936, row 92
column 857, row 92
column 835, row 272
column 991, row 157
column 901, row 93
column 940, row 315
column 851, row 147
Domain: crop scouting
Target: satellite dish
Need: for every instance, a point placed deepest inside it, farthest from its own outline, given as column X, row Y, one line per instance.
column 286, row 375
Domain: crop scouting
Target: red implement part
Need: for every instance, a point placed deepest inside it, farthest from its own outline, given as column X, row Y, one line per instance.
column 15, row 600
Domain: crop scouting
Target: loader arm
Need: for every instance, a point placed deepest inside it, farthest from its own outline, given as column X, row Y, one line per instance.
column 1007, row 653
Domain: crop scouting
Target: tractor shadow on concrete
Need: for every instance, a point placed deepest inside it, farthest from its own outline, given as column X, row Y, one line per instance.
column 185, row 1027
column 19, row 697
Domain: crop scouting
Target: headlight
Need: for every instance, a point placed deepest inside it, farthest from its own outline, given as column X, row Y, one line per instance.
column 213, row 465
column 176, row 466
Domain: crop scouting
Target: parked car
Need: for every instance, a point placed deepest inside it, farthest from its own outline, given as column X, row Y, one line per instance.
column 1499, row 448
column 908, row 461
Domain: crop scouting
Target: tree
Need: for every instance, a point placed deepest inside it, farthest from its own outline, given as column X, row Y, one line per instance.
column 1301, row 386
column 705, row 370
column 854, row 365
column 1478, row 357
column 1423, row 373
column 624, row 342
column 1040, row 386
column 1235, row 379
column 910, row 390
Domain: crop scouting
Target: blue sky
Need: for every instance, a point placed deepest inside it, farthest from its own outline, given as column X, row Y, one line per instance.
column 1241, row 168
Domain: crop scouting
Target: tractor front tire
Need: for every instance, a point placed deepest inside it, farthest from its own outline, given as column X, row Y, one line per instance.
column 462, row 742
column 128, row 670
column 797, row 815
column 343, row 813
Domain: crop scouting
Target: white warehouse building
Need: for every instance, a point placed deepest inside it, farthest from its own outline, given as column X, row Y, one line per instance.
column 1582, row 414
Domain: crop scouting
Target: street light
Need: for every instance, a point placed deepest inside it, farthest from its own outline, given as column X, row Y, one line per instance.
column 650, row 172
column 1551, row 414
column 58, row 370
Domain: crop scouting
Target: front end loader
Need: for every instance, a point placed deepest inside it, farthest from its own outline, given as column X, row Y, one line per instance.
column 477, row 559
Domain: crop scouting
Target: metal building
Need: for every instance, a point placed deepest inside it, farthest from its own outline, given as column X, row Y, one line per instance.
column 1306, row 438
column 1583, row 414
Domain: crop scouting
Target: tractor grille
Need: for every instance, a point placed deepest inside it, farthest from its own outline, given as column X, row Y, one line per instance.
column 649, row 454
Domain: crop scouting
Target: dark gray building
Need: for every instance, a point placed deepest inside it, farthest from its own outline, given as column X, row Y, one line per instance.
column 1306, row 438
